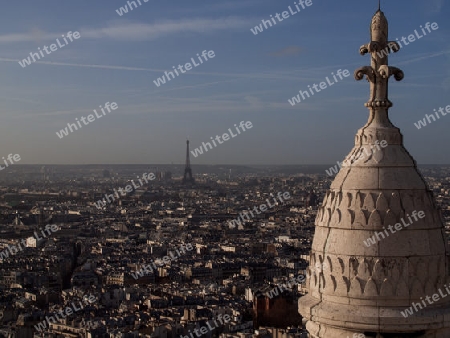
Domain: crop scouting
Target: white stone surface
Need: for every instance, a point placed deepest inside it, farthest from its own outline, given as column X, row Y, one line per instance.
column 365, row 288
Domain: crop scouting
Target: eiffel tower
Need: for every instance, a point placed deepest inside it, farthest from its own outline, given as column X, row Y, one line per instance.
column 187, row 169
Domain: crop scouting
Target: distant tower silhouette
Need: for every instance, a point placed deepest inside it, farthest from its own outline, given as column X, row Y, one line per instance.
column 187, row 169
column 312, row 199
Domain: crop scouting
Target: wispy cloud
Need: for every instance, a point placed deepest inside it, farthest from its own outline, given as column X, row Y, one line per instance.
column 253, row 101
column 132, row 31
column 288, row 51
column 272, row 75
column 88, row 66
column 259, row 75
column 35, row 35
column 143, row 31
column 425, row 57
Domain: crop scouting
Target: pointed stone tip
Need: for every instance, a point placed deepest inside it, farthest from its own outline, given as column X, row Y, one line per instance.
column 379, row 13
column 380, row 22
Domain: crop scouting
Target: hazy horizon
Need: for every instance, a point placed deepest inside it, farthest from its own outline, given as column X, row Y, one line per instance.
column 117, row 58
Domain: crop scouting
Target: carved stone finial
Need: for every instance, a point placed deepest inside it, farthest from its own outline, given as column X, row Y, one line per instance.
column 378, row 72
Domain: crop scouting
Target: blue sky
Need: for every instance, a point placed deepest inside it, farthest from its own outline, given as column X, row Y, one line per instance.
column 251, row 78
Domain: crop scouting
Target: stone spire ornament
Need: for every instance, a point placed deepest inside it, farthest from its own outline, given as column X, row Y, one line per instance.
column 364, row 287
